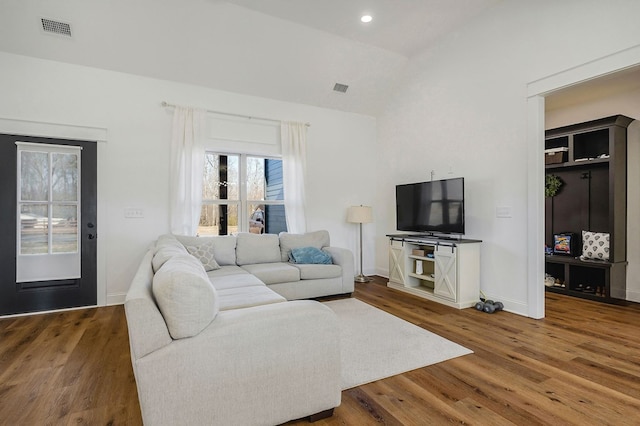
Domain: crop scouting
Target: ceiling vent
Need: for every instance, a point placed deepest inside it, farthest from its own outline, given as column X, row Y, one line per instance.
column 56, row 27
column 342, row 88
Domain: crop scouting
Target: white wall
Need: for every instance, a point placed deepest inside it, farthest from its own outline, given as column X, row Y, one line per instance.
column 462, row 105
column 628, row 104
column 133, row 164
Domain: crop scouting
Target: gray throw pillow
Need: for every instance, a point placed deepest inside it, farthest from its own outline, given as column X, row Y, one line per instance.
column 205, row 254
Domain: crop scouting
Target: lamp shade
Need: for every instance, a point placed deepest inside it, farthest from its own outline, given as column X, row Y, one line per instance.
column 360, row 214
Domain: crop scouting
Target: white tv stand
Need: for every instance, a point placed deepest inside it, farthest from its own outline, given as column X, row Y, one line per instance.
column 445, row 270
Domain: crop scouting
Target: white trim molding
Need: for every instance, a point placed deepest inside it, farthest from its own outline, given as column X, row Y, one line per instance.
column 16, row 126
column 536, row 91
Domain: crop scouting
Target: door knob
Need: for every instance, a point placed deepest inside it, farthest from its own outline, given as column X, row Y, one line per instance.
column 92, row 236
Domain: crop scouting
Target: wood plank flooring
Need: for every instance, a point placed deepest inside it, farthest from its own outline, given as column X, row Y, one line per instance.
column 578, row 366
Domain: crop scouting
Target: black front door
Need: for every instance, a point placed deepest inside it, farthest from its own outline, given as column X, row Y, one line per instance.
column 43, row 224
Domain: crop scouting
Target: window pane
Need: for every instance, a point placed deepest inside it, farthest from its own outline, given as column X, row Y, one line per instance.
column 64, row 177
column 264, row 179
column 34, row 229
column 221, row 177
column 256, row 219
column 255, row 178
column 273, row 179
column 218, row 219
column 64, row 223
column 34, row 176
column 275, row 219
column 266, row 219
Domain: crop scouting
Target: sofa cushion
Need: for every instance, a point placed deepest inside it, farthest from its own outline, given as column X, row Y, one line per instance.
column 309, row 255
column 245, row 297
column 257, row 248
column 226, row 270
column 185, row 296
column 317, row 239
column 315, row 272
column 224, row 246
column 204, row 253
column 166, row 247
column 235, row 281
column 270, row 273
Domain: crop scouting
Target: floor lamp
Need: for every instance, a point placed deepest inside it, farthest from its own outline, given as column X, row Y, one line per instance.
column 360, row 215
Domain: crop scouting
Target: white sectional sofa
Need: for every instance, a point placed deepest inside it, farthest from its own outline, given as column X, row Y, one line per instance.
column 216, row 338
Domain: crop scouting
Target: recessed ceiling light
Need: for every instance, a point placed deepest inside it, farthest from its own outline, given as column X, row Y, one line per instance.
column 366, row 18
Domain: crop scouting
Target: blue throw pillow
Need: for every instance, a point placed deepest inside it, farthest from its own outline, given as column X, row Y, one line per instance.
column 309, row 255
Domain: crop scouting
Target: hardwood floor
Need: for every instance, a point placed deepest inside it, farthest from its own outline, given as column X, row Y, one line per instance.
column 580, row 365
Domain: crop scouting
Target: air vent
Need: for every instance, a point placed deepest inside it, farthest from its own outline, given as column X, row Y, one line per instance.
column 56, row 27
column 342, row 88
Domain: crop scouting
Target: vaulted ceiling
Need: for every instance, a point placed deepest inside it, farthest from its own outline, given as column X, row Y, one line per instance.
column 291, row 50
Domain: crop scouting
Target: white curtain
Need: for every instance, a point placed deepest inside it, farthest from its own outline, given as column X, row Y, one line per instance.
column 294, row 167
column 187, row 165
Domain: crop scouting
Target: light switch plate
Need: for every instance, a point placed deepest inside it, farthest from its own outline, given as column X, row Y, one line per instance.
column 503, row 211
column 133, row 213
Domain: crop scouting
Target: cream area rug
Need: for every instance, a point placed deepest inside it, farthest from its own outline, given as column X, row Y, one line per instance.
column 376, row 345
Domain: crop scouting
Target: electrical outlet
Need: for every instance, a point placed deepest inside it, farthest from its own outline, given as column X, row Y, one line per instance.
column 133, row 213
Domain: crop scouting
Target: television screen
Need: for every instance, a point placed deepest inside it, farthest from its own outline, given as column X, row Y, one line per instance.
column 431, row 207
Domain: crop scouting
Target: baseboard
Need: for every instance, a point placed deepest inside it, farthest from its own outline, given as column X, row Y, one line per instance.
column 116, row 299
column 383, row 273
column 53, row 311
column 633, row 296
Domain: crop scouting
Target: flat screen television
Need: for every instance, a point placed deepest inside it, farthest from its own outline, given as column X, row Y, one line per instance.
column 431, row 207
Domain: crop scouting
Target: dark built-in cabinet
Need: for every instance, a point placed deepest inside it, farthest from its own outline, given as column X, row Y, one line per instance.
column 590, row 160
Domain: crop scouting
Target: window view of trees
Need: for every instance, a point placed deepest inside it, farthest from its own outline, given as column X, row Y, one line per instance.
column 227, row 207
column 48, row 202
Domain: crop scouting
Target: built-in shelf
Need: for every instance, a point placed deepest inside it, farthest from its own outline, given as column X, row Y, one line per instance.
column 592, row 197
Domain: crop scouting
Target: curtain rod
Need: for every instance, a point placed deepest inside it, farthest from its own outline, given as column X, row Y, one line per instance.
column 168, row 105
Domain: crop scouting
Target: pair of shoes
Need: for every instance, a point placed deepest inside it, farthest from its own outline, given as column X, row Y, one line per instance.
column 589, row 289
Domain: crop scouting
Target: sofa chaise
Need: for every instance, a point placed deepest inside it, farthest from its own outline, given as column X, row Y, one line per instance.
column 216, row 337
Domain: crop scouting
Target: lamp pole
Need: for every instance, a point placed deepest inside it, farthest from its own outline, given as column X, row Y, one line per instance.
column 360, row 214
column 361, row 278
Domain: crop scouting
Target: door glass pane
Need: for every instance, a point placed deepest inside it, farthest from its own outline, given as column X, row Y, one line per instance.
column 34, row 176
column 34, row 229
column 221, row 177
column 64, row 224
column 64, row 177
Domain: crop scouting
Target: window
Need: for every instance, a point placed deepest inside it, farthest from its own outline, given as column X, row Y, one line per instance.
column 241, row 193
column 48, row 212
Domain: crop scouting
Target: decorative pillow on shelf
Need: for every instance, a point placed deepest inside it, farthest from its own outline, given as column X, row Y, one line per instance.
column 595, row 245
column 309, row 255
column 204, row 253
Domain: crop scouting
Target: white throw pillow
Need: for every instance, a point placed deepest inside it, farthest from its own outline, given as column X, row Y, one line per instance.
column 185, row 296
column 204, row 253
column 595, row 245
